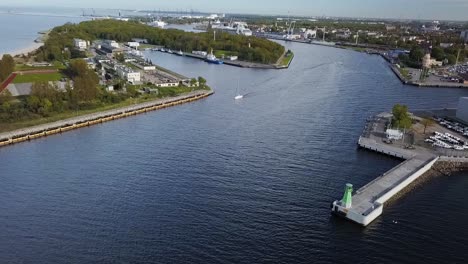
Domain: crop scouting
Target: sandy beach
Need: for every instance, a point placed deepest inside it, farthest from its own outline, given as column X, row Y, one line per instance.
column 33, row 46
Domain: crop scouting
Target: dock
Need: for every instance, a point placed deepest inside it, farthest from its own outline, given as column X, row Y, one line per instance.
column 26, row 134
column 367, row 203
column 238, row 63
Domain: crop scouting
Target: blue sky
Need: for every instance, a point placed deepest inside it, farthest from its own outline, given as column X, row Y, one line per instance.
column 419, row 9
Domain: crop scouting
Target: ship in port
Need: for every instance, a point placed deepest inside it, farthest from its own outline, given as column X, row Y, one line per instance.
column 211, row 58
column 236, row 28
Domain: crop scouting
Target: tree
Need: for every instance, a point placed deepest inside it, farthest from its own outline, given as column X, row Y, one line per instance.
column 427, row 122
column 202, row 81
column 452, row 59
column 5, row 96
column 401, row 118
column 120, row 57
column 61, row 38
column 45, row 107
column 85, row 81
column 7, row 66
column 438, row 53
column 416, row 54
column 33, row 103
column 193, row 82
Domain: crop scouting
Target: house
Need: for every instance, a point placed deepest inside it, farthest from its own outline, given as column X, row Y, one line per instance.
column 80, row 44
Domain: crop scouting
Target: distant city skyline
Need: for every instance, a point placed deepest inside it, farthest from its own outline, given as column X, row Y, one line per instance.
column 399, row 9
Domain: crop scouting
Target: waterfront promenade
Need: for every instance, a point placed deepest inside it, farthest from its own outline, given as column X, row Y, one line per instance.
column 29, row 133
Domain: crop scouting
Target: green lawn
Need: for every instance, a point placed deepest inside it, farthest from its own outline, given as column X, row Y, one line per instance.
column 220, row 53
column 404, row 72
column 44, row 77
column 287, row 59
column 24, row 67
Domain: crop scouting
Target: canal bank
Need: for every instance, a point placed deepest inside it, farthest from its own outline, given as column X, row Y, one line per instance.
column 241, row 64
column 30, row 133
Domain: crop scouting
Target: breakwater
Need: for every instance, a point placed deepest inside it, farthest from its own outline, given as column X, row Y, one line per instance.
column 30, row 133
column 367, row 203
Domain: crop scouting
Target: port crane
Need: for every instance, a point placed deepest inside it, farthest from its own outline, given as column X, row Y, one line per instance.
column 290, row 31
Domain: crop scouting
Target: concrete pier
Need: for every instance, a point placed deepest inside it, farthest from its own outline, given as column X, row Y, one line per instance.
column 367, row 202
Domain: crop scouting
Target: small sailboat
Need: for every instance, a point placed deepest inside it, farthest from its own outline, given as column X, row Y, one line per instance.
column 238, row 96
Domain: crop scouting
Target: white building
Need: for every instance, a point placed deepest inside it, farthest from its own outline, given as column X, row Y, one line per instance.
column 128, row 74
column 80, row 44
column 309, row 33
column 133, row 44
column 462, row 110
column 394, row 134
column 158, row 24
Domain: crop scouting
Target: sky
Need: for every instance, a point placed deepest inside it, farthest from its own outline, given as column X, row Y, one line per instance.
column 400, row 9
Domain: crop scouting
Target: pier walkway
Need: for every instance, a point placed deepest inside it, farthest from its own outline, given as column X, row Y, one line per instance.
column 367, row 202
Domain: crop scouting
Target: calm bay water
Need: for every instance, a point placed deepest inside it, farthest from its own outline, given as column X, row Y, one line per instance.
column 19, row 31
column 220, row 181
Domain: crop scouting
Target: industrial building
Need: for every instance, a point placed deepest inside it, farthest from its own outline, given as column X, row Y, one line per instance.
column 128, row 74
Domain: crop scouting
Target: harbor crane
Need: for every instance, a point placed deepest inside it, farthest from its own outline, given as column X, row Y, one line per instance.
column 290, row 31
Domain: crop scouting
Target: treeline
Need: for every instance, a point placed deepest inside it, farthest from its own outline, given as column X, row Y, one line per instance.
column 447, row 55
column 59, row 45
column 7, row 66
column 47, row 98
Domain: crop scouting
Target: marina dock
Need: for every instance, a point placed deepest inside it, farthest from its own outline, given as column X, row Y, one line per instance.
column 367, row 203
column 30, row 133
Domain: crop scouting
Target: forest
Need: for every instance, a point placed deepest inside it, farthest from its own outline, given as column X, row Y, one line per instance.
column 59, row 45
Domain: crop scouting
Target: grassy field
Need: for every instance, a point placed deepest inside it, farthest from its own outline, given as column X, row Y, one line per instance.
column 287, row 59
column 55, row 66
column 404, row 72
column 45, row 77
column 220, row 53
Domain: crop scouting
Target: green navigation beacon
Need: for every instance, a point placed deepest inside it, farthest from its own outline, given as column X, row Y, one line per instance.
column 347, row 197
